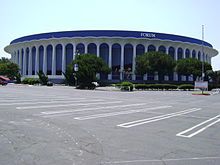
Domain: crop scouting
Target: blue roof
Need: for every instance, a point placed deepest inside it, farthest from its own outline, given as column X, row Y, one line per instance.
column 111, row 33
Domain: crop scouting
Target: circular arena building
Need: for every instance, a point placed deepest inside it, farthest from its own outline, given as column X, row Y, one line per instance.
column 52, row 52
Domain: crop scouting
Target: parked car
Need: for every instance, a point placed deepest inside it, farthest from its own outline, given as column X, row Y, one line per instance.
column 3, row 80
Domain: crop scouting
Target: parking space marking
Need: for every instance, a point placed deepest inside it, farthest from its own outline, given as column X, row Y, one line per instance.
column 40, row 102
column 68, row 112
column 194, row 130
column 101, row 115
column 161, row 160
column 77, row 103
column 15, row 101
column 157, row 118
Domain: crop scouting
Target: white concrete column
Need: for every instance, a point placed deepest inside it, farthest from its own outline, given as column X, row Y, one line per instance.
column 122, row 62
column 24, row 62
column 98, row 54
column 110, row 61
column 86, row 47
column 184, row 53
column 175, row 75
column 197, row 57
column 63, row 58
column 98, row 50
column 146, row 48
column 53, row 59
column 167, row 49
column 134, row 62
column 176, row 54
column 157, row 48
column 45, row 60
column 16, row 58
column 74, row 51
column 20, row 61
column 30, row 62
column 37, row 60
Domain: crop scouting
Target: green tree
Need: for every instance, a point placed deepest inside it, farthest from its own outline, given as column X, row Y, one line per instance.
column 191, row 66
column 9, row 69
column 214, row 76
column 88, row 65
column 155, row 62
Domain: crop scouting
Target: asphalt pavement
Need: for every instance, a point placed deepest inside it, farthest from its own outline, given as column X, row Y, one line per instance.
column 61, row 125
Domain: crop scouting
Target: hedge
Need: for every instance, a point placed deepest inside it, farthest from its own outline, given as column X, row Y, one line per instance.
column 155, row 86
column 186, row 87
column 31, row 81
column 125, row 86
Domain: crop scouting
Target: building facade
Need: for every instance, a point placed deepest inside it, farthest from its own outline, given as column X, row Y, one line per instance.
column 52, row 52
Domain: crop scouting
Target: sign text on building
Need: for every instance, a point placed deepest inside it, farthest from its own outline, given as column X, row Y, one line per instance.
column 150, row 35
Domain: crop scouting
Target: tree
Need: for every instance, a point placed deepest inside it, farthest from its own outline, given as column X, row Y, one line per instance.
column 214, row 76
column 9, row 69
column 88, row 65
column 155, row 62
column 191, row 66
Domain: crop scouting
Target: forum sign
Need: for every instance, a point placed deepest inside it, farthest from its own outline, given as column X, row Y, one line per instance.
column 148, row 35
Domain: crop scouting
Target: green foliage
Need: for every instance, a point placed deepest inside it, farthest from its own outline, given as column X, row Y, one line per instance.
column 43, row 78
column 125, row 86
column 69, row 76
column 152, row 62
column 190, row 66
column 30, row 81
column 155, row 86
column 89, row 65
column 214, row 76
column 18, row 78
column 8, row 69
column 186, row 87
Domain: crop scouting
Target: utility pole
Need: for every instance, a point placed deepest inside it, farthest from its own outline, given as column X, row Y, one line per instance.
column 203, row 74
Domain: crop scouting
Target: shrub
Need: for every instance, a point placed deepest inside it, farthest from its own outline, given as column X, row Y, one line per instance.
column 156, row 86
column 141, row 86
column 126, row 86
column 186, row 87
column 30, row 81
column 43, row 78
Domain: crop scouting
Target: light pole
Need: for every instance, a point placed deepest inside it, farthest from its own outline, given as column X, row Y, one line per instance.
column 203, row 74
column 75, row 68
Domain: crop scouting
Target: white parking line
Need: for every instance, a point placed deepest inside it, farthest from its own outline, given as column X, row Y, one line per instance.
column 161, row 160
column 183, row 133
column 41, row 102
column 67, row 112
column 157, row 118
column 118, row 113
column 60, row 105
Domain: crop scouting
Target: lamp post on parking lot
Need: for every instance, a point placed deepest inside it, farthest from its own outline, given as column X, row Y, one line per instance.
column 75, row 68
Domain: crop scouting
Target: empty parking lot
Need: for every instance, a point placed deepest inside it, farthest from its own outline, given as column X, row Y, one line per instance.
column 62, row 125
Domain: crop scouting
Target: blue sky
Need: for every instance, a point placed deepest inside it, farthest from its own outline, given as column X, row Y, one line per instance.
column 25, row 17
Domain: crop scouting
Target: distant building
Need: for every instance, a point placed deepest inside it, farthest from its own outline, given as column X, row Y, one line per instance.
column 52, row 52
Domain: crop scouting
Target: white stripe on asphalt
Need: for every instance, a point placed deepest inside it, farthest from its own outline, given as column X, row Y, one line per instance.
column 61, row 113
column 118, row 113
column 216, row 120
column 60, row 105
column 161, row 160
column 41, row 102
column 156, row 118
